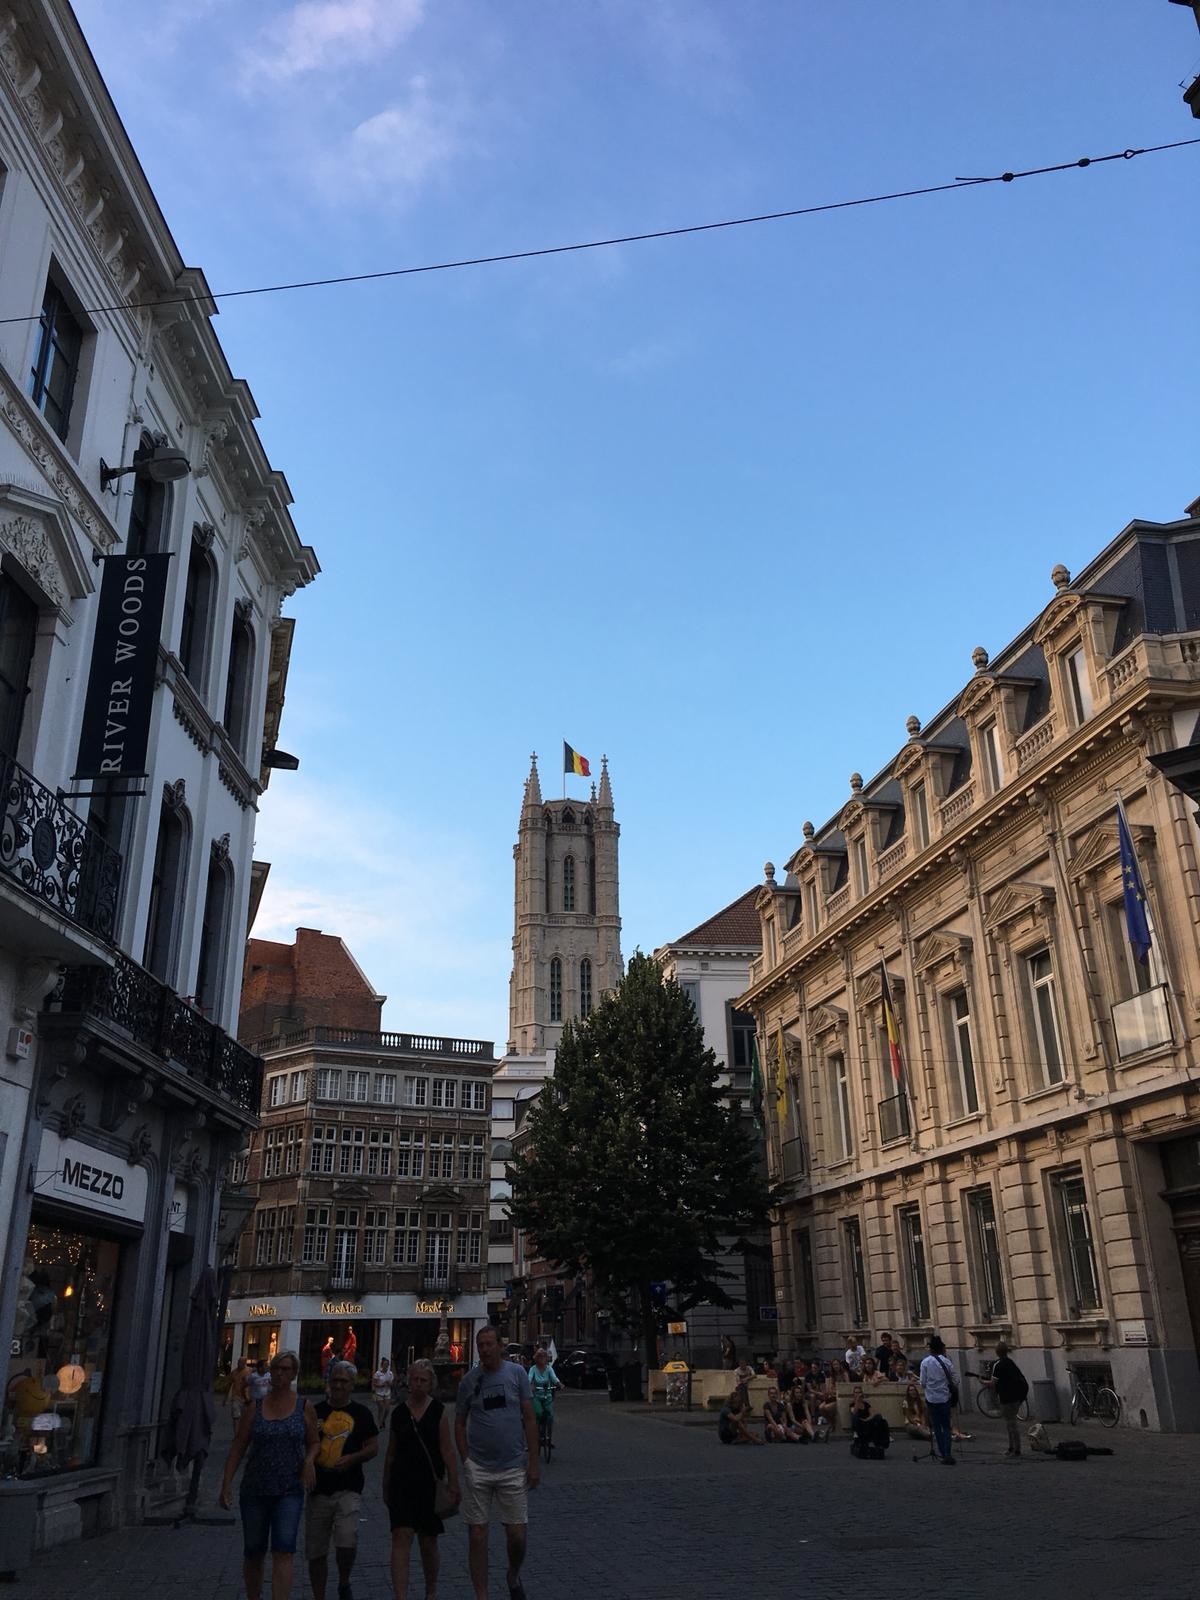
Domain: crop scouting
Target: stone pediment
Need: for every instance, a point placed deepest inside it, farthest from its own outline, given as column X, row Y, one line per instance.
column 851, row 815
column 909, row 758
column 441, row 1194
column 1063, row 613
column 36, row 534
column 870, row 987
column 1102, row 846
column 825, row 1018
column 935, row 948
column 1016, row 899
column 980, row 688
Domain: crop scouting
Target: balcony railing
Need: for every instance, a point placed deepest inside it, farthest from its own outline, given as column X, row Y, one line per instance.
column 1142, row 1022
column 348, row 1282
column 445, row 1283
column 54, row 854
column 893, row 1119
column 416, row 1044
column 793, row 1163
column 132, row 1002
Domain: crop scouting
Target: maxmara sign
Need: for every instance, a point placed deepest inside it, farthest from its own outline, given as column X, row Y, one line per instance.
column 68, row 1169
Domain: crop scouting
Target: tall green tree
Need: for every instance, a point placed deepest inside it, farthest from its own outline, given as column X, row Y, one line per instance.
column 636, row 1167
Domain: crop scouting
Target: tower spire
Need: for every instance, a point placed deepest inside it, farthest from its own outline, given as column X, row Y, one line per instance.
column 533, row 789
column 606, row 799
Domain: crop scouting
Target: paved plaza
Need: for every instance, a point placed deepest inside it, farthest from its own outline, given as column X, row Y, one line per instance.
column 638, row 1505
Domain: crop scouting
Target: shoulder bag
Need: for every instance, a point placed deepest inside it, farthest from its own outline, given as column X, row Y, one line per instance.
column 444, row 1504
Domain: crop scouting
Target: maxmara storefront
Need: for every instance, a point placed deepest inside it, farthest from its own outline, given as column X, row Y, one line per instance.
column 402, row 1327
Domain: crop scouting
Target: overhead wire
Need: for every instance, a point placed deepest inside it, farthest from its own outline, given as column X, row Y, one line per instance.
column 619, row 239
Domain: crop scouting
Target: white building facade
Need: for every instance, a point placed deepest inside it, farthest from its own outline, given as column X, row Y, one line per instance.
column 123, row 903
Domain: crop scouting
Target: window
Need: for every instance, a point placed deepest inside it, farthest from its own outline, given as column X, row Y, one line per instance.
column 468, row 1245
column 239, row 680
column 568, row 883
column 214, row 934
column 406, row 1246
column 437, row 1250
column 285, row 1248
column 445, row 1093
column 321, row 1154
column 357, row 1085
column 856, row 1275
column 293, row 1155
column 314, row 1246
column 556, row 990
column 329, row 1083
column 989, row 741
column 56, row 363
column 416, row 1091
column 861, row 866
column 1078, row 687
column 741, row 1040
column 920, row 807
column 441, row 1155
column 1079, row 1256
column 350, row 1154
column 166, row 894
column 149, row 506
column 474, row 1097
column 375, row 1232
column 1133, row 976
column 585, row 988
column 410, row 1154
column 964, row 1090
column 383, row 1091
column 345, row 1247
column 1040, row 970
column 470, row 1166
column 691, row 988
column 985, row 1248
column 196, row 627
column 912, row 1242
column 264, row 1238
column 272, row 1152
column 379, row 1153
column 811, row 908
column 277, row 1090
column 772, row 951
column 841, row 1134
column 18, row 637
column 806, row 1279
column 299, row 1086
column 504, row 1110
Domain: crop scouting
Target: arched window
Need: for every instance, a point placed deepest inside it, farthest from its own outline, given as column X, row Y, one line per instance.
column 240, row 678
column 556, row 990
column 195, row 632
column 568, row 883
column 214, row 933
column 165, row 914
column 585, row 988
column 149, row 509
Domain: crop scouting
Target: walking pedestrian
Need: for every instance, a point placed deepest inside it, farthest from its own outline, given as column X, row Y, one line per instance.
column 258, row 1382
column 280, row 1434
column 348, row 1439
column 420, row 1455
column 496, row 1435
column 235, row 1395
column 1011, row 1387
column 382, row 1383
column 939, row 1384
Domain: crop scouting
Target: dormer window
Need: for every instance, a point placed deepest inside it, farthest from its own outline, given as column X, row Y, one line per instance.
column 861, row 866
column 1079, row 686
column 920, row 810
column 989, row 743
column 811, row 908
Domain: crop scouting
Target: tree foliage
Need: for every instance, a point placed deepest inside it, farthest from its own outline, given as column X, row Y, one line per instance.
column 636, row 1167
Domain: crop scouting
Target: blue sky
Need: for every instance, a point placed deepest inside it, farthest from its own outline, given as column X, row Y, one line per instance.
column 727, row 508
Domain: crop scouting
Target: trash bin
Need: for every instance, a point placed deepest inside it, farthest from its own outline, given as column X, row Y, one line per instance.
column 1043, row 1402
column 633, row 1380
column 616, row 1381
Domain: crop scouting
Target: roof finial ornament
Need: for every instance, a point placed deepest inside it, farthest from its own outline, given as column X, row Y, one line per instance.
column 1060, row 577
column 980, row 657
column 913, row 726
column 769, row 873
column 856, row 782
column 809, row 831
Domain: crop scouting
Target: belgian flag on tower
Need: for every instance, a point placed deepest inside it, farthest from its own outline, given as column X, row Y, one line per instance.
column 574, row 762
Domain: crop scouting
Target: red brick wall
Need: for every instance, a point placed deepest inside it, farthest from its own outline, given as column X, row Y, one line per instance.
column 312, row 983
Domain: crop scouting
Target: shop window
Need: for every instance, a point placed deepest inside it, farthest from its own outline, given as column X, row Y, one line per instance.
column 196, row 629
column 416, row 1091
column 383, row 1090
column 985, row 1249
column 1076, row 1245
column 315, row 1245
column 856, row 1272
column 912, row 1241
column 58, row 1358
column 55, row 372
column 406, row 1246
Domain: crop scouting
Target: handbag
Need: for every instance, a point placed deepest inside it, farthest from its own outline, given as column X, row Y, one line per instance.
column 444, row 1504
column 949, row 1371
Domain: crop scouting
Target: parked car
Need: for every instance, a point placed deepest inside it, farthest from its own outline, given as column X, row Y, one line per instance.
column 582, row 1369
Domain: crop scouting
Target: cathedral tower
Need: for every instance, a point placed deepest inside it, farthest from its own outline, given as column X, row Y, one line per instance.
column 567, row 924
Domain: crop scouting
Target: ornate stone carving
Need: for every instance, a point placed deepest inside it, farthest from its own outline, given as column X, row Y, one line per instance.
column 74, row 1115
column 26, row 541
column 220, row 850
column 203, row 533
column 140, row 1145
column 175, row 795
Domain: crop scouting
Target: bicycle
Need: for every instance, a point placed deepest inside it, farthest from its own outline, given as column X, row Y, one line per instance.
column 985, row 1400
column 546, row 1435
column 1090, row 1397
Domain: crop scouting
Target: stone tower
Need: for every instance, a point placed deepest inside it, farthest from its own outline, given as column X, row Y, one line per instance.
column 567, row 923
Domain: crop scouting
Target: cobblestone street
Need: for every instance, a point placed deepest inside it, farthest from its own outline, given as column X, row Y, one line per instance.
column 638, row 1505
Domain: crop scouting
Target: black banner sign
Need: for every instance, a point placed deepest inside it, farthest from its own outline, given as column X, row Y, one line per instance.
column 116, row 713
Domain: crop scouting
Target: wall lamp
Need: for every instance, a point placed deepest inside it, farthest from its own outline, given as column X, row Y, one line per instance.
column 163, row 464
column 281, row 760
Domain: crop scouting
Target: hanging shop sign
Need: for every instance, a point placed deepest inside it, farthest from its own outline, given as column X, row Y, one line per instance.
column 68, row 1169
column 120, row 692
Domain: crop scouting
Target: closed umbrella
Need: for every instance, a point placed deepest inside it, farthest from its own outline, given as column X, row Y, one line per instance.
column 189, row 1428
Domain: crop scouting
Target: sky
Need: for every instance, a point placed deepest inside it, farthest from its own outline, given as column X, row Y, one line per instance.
column 726, row 508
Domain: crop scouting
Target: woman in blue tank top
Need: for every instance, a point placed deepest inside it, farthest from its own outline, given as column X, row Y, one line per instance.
column 280, row 1434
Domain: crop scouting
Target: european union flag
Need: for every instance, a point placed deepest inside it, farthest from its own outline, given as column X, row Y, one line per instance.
column 1137, row 924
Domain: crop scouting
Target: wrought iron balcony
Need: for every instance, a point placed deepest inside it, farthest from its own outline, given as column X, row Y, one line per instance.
column 132, row 1003
column 54, row 854
column 893, row 1119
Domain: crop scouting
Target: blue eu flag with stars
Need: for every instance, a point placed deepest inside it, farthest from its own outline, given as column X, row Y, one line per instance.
column 1137, row 924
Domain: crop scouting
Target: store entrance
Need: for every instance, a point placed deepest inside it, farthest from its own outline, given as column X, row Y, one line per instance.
column 415, row 1339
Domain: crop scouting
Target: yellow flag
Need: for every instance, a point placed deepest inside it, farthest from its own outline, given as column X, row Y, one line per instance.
column 781, row 1107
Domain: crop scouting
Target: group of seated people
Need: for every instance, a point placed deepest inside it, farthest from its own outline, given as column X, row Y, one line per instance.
column 801, row 1405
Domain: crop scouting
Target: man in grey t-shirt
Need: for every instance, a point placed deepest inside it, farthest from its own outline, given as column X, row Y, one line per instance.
column 496, row 1434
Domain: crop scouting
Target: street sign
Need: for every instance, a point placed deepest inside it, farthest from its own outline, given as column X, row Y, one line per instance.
column 768, row 1313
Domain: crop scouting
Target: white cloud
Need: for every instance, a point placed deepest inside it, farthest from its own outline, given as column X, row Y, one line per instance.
column 394, row 154
column 412, row 910
column 329, row 34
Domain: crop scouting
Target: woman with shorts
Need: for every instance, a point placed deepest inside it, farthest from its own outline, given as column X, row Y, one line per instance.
column 420, row 1452
column 280, row 1434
